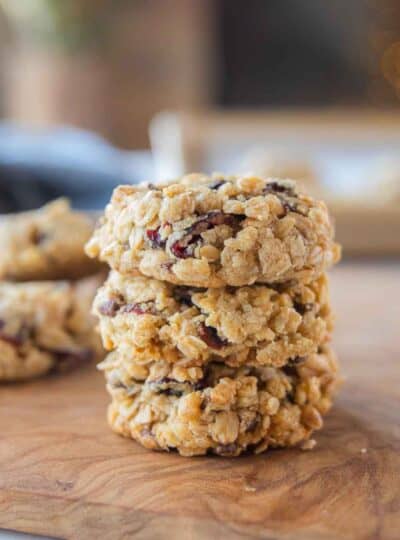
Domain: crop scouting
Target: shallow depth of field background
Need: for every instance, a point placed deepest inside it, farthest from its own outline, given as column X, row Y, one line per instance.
column 94, row 93
column 99, row 92
column 110, row 66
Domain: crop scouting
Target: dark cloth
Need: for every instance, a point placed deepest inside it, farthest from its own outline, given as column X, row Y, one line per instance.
column 36, row 167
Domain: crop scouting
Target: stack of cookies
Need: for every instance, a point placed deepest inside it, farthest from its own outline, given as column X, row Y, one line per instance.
column 216, row 314
column 47, row 285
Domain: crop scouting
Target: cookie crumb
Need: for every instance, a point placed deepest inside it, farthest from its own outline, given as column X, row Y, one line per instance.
column 363, row 450
column 309, row 445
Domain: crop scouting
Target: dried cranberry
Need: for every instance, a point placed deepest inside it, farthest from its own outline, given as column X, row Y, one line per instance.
column 296, row 360
column 183, row 295
column 172, row 387
column 180, row 251
column 290, row 206
column 138, row 309
column 278, row 187
column 17, row 339
column 167, row 265
column 155, row 239
column 172, row 392
column 80, row 355
column 219, row 218
column 290, row 368
column 253, row 423
column 69, row 358
column 146, row 433
column 109, row 308
column 200, row 385
column 210, row 336
column 169, row 387
column 283, row 287
column 217, row 184
column 283, row 191
column 302, row 308
column 184, row 247
column 38, row 237
column 226, row 449
column 164, row 380
column 118, row 384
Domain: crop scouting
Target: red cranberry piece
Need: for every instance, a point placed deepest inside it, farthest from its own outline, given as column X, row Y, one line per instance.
column 183, row 296
column 147, row 434
column 200, row 385
column 213, row 219
column 210, row 336
column 278, row 187
column 183, row 248
column 284, row 192
column 290, row 368
column 155, row 239
column 79, row 355
column 180, row 251
column 70, row 358
column 38, row 237
column 219, row 218
column 137, row 309
column 290, row 206
column 302, row 308
column 172, row 387
column 17, row 339
column 109, row 308
column 167, row 265
column 217, row 184
column 226, row 449
column 253, row 423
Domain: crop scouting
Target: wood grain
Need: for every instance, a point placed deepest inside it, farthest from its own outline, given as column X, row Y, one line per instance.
column 63, row 473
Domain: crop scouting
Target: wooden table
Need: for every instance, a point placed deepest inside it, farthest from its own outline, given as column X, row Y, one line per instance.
column 63, row 473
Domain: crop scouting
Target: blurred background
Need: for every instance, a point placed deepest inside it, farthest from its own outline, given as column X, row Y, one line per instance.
column 98, row 92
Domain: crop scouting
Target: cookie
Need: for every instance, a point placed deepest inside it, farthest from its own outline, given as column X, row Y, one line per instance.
column 153, row 321
column 45, row 244
column 46, row 326
column 215, row 231
column 231, row 411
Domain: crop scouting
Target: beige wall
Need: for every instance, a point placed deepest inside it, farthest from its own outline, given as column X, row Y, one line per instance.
column 159, row 58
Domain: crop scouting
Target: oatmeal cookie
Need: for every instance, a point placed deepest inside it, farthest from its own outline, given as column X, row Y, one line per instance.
column 46, row 326
column 150, row 320
column 215, row 231
column 45, row 244
column 230, row 411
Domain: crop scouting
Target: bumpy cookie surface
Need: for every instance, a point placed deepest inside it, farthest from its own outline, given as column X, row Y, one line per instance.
column 150, row 321
column 45, row 244
column 46, row 326
column 231, row 411
column 215, row 231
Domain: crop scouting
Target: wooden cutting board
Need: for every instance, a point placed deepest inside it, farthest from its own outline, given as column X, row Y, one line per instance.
column 63, row 473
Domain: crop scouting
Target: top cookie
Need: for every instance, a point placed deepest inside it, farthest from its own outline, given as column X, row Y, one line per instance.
column 45, row 244
column 214, row 231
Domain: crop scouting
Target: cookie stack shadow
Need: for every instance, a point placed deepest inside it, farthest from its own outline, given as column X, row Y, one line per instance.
column 216, row 314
